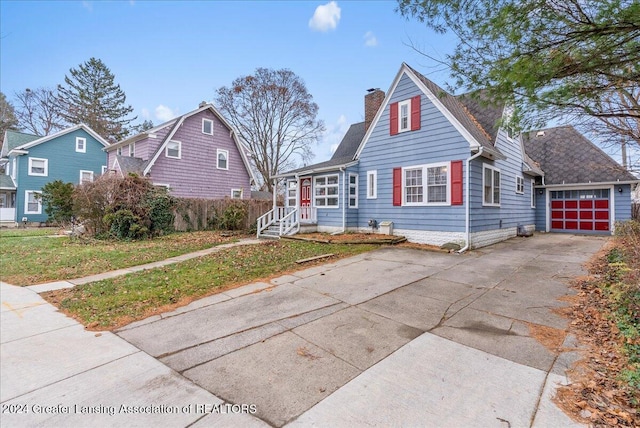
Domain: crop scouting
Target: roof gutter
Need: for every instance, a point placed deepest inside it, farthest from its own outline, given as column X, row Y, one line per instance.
column 467, row 228
column 314, row 170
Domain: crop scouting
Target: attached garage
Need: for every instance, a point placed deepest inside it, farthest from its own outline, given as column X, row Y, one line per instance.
column 582, row 211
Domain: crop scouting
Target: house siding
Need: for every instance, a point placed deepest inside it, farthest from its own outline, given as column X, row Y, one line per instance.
column 195, row 175
column 64, row 163
column 515, row 208
column 622, row 202
column 436, row 141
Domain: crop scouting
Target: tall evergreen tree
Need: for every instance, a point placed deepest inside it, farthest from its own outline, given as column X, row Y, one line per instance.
column 8, row 118
column 90, row 96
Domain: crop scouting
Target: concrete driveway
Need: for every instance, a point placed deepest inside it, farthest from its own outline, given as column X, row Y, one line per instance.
column 394, row 337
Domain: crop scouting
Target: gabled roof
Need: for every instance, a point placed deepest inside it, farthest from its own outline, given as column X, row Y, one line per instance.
column 343, row 156
column 7, row 183
column 485, row 113
column 454, row 110
column 130, row 165
column 13, row 139
column 40, row 140
column 175, row 125
column 567, row 157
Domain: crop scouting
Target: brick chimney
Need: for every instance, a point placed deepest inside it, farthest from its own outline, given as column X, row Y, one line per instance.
column 372, row 102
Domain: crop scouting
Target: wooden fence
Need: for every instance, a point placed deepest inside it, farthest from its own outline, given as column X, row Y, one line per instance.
column 204, row 214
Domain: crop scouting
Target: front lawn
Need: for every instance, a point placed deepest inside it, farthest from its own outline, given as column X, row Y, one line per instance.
column 28, row 258
column 118, row 301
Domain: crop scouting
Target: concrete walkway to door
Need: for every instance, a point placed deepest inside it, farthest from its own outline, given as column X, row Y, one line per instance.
column 394, row 337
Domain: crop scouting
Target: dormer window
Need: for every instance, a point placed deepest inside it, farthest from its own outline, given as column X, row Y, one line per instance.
column 404, row 116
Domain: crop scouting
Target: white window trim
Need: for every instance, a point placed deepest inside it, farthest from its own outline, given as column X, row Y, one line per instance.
column 14, row 167
column 203, row 122
column 26, row 202
column 104, row 169
column 519, row 179
column 119, row 151
column 326, row 196
column 166, row 151
column 493, row 169
column 372, row 184
column 166, row 186
column 237, row 190
column 408, row 104
column 425, row 178
column 132, row 150
column 84, row 145
column 82, row 171
column 226, row 154
column 355, row 196
column 289, row 197
column 533, row 193
column 36, row 174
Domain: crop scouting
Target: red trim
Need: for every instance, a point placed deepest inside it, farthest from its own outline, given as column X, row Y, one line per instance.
column 415, row 113
column 393, row 119
column 456, row 182
column 397, row 187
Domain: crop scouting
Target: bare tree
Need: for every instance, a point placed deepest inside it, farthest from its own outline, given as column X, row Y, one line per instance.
column 37, row 111
column 8, row 118
column 275, row 117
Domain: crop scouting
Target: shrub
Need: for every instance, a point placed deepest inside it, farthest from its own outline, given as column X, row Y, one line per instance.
column 57, row 198
column 233, row 216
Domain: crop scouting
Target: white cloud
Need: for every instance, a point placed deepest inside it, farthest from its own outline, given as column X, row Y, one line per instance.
column 164, row 113
column 370, row 39
column 331, row 138
column 326, row 17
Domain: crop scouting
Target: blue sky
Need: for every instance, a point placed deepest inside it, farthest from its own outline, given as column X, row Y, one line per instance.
column 168, row 56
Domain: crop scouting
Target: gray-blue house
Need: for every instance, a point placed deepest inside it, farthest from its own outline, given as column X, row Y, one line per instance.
column 73, row 155
column 440, row 169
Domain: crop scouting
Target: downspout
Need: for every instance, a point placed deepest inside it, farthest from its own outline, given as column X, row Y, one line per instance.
column 467, row 228
column 344, row 212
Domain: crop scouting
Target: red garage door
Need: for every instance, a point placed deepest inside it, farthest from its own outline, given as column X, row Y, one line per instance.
column 583, row 211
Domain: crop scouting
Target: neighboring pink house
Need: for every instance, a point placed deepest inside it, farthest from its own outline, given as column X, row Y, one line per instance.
column 196, row 155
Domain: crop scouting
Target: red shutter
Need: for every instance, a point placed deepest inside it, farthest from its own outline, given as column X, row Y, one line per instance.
column 397, row 186
column 393, row 119
column 415, row 113
column 456, row 182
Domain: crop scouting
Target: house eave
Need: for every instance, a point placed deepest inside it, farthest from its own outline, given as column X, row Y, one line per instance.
column 589, row 184
column 316, row 170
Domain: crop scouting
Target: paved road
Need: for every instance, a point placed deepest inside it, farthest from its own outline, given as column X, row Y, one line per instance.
column 394, row 337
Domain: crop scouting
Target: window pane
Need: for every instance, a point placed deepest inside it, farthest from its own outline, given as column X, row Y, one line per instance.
column 333, row 202
column 437, row 194
column 332, row 179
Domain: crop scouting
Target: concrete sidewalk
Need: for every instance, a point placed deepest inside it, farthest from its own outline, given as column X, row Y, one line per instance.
column 394, row 337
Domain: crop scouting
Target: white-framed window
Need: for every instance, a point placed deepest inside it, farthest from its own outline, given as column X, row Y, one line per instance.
column 104, row 169
column 86, row 176
column 326, row 191
column 39, row 167
column 404, row 115
column 132, row 150
column 372, row 184
column 353, row 190
column 222, row 157
column 207, row 126
column 32, row 202
column 236, row 193
column 426, row 184
column 520, row 185
column 81, row 145
column 490, row 185
column 292, row 193
column 174, row 150
column 119, row 151
column 533, row 193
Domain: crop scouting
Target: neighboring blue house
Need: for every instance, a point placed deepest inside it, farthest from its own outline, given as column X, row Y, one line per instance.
column 440, row 170
column 73, row 155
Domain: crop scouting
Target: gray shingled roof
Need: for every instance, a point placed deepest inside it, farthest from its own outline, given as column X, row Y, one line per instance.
column 131, row 165
column 13, row 139
column 345, row 152
column 485, row 112
column 6, row 182
column 461, row 111
column 567, row 157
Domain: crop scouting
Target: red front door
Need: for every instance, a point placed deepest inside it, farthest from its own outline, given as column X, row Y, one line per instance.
column 305, row 198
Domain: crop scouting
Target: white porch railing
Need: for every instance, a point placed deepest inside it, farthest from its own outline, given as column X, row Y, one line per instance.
column 308, row 214
column 289, row 222
column 7, row 214
column 274, row 216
